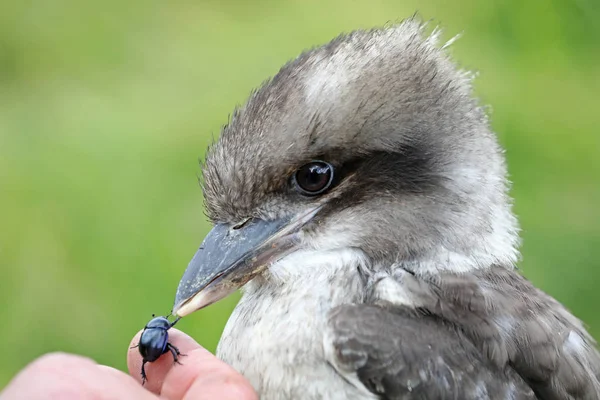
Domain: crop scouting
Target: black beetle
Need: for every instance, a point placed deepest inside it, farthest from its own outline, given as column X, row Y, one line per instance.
column 154, row 342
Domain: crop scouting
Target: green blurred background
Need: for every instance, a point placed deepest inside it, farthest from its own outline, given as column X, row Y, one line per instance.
column 105, row 108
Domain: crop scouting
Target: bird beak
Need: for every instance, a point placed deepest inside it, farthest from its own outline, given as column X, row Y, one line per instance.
column 229, row 258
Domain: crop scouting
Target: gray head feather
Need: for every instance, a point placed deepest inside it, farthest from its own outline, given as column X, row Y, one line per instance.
column 422, row 177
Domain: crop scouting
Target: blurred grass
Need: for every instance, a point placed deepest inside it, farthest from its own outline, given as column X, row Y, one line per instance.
column 106, row 107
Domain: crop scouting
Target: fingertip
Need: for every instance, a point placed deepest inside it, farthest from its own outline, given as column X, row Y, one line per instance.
column 134, row 358
column 157, row 370
column 182, row 340
column 135, row 340
column 132, row 350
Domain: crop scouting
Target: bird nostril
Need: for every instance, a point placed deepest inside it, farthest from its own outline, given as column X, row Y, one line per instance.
column 241, row 224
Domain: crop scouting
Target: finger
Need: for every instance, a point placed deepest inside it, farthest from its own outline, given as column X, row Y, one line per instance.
column 124, row 380
column 65, row 376
column 204, row 376
column 200, row 376
column 157, row 371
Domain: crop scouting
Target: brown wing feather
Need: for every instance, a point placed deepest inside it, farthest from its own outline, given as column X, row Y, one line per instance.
column 403, row 355
column 515, row 324
column 489, row 329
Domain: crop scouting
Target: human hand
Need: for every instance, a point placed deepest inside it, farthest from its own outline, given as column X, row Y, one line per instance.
column 66, row 376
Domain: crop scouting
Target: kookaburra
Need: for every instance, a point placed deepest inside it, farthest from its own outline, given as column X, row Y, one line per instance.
column 360, row 199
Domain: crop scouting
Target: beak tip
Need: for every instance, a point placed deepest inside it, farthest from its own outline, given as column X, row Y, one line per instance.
column 181, row 310
column 198, row 301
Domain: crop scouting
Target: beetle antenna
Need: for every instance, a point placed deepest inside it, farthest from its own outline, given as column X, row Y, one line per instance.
column 174, row 322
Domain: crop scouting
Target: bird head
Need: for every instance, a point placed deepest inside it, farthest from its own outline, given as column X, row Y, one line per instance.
column 371, row 146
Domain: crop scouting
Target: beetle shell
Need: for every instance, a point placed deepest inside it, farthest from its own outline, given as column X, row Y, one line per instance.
column 154, row 339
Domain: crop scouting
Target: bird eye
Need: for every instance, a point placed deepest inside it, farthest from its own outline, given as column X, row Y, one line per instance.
column 314, row 178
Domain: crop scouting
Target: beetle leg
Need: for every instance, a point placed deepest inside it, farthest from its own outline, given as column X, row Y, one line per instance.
column 133, row 347
column 174, row 322
column 175, row 351
column 144, row 376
